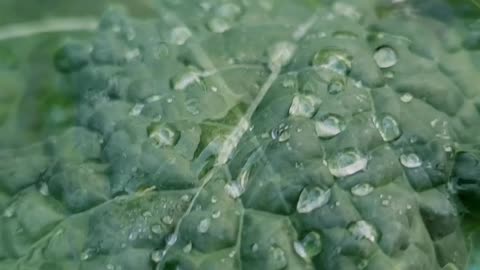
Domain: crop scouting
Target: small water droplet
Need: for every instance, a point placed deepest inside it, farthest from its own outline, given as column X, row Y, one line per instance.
column 406, row 97
column 136, row 109
column 216, row 214
column 254, row 247
column 312, row 198
column 410, row 160
column 157, row 256
column 43, row 189
column 213, row 199
column 361, row 190
column 182, row 81
column 309, row 246
column 234, row 189
column 218, row 25
column 388, row 128
column 333, row 60
column 280, row 54
column 336, row 86
column 172, row 239
column 363, row 230
column 279, row 259
column 347, row 162
column 167, row 220
column 180, row 35
column 87, row 254
column 347, row 10
column 385, row 57
column 204, row 225
column 110, row 266
column 157, row 229
column 303, row 106
column 280, row 133
column 329, row 126
column 162, row 135
column 188, row 247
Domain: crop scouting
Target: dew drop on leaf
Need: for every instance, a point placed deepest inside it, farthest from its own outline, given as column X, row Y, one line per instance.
column 302, row 106
column 157, row 229
column 180, row 35
column 361, row 190
column 218, row 25
column 410, row 160
column 347, row 162
column 335, row 86
column 388, row 128
column 312, row 198
column 156, row 256
column 406, row 97
column 363, row 230
column 182, row 81
column 234, row 189
column 204, row 225
column 333, row 60
column 329, row 126
column 167, row 220
column 280, row 133
column 278, row 257
column 188, row 247
column 385, row 57
column 280, row 54
column 309, row 246
column 136, row 110
column 162, row 135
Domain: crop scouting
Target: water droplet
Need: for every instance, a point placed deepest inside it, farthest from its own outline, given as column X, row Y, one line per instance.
column 216, row 214
column 312, row 198
column 185, row 198
column 309, row 246
column 110, row 266
column 182, row 81
column 192, row 106
column 167, row 220
column 162, row 135
column 157, row 256
column 363, row 230
column 180, row 35
column 229, row 10
column 333, row 60
column 188, row 247
column 280, row 133
column 388, row 128
column 87, row 254
column 410, row 160
column 43, row 189
column 172, row 239
column 136, row 110
column 9, row 212
column 279, row 259
column 347, row 10
column 204, row 225
column 347, row 162
column 213, row 199
column 254, row 247
column 280, row 54
column 218, row 25
column 385, row 57
column 329, row 126
column 406, row 97
column 336, row 86
column 234, row 189
column 303, row 106
column 157, row 229
column 361, row 190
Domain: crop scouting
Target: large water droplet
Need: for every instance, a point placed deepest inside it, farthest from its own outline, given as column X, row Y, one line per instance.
column 280, row 133
column 361, row 190
column 363, row 230
column 278, row 257
column 329, row 126
column 204, row 225
column 333, row 60
column 410, row 160
column 310, row 246
column 280, row 54
column 312, row 198
column 180, row 35
column 347, row 162
column 136, row 109
column 385, row 57
column 167, row 220
column 303, row 106
column 162, row 135
column 388, row 128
